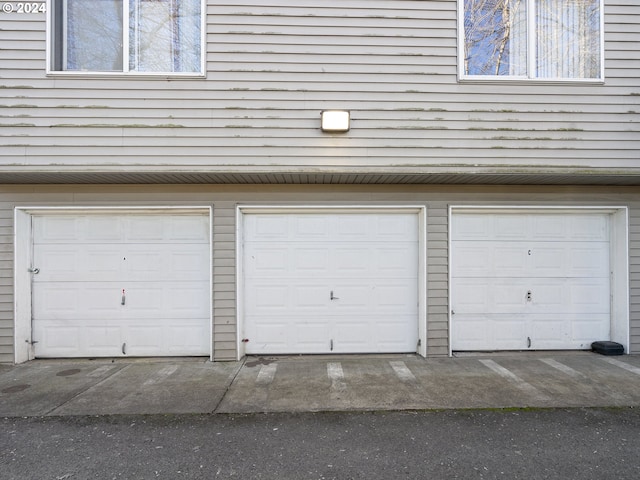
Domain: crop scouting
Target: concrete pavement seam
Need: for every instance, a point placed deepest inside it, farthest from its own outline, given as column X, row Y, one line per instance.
column 224, row 394
column 108, row 377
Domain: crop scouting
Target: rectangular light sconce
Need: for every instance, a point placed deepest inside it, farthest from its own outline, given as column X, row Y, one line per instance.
column 335, row 121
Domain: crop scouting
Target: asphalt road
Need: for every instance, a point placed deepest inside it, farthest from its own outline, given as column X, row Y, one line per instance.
column 468, row 444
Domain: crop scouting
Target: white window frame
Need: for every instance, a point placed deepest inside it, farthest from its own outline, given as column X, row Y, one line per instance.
column 462, row 76
column 51, row 50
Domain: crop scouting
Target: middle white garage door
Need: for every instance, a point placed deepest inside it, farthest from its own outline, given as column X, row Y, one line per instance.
column 330, row 282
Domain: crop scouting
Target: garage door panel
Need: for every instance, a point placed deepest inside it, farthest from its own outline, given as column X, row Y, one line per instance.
column 548, row 331
column 350, row 228
column 309, row 297
column 65, row 301
column 165, row 263
column 350, row 260
column 311, row 228
column 589, row 228
column 58, row 229
column 101, row 340
column 351, row 297
column 509, row 330
column 309, row 261
column 395, row 227
column 57, row 262
column 590, row 297
column 491, row 332
column 269, row 228
column 472, row 295
column 507, row 295
column 86, row 261
column 175, row 337
column 564, row 297
column 190, row 339
column 62, row 339
column 161, row 300
column 590, row 260
column 490, row 259
column 367, row 260
column 509, row 227
column 472, row 227
column 391, row 262
column 311, row 334
column 268, row 297
column 265, row 260
column 534, row 289
column 399, row 299
column 393, row 334
column 586, row 327
column 272, row 330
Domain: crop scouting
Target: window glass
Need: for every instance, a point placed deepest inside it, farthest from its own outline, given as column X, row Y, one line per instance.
column 564, row 40
column 495, row 37
column 93, row 35
column 568, row 38
column 163, row 36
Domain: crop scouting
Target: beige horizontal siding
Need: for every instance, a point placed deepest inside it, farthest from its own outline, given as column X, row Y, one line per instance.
column 437, row 279
column 634, row 274
column 271, row 69
column 224, row 284
column 6, row 284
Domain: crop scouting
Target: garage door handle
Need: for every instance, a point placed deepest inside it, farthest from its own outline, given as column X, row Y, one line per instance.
column 35, row 271
column 334, row 298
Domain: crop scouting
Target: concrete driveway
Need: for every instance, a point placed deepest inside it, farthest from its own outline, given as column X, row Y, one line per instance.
column 318, row 383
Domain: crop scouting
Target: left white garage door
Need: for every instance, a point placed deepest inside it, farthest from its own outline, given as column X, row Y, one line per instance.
column 330, row 282
column 121, row 284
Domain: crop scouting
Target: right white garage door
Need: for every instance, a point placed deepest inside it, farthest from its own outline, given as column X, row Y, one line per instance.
column 529, row 280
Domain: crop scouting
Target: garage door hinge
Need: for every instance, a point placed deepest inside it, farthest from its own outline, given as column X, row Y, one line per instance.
column 31, row 342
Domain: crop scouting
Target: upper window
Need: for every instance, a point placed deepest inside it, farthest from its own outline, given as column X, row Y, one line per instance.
column 145, row 36
column 532, row 39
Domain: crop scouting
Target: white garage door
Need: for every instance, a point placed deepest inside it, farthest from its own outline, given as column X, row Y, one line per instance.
column 529, row 280
column 335, row 282
column 118, row 284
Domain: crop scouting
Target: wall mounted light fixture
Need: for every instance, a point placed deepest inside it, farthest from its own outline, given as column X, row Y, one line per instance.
column 334, row 121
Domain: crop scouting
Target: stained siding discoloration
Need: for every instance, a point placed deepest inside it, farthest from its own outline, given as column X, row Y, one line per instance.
column 272, row 67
